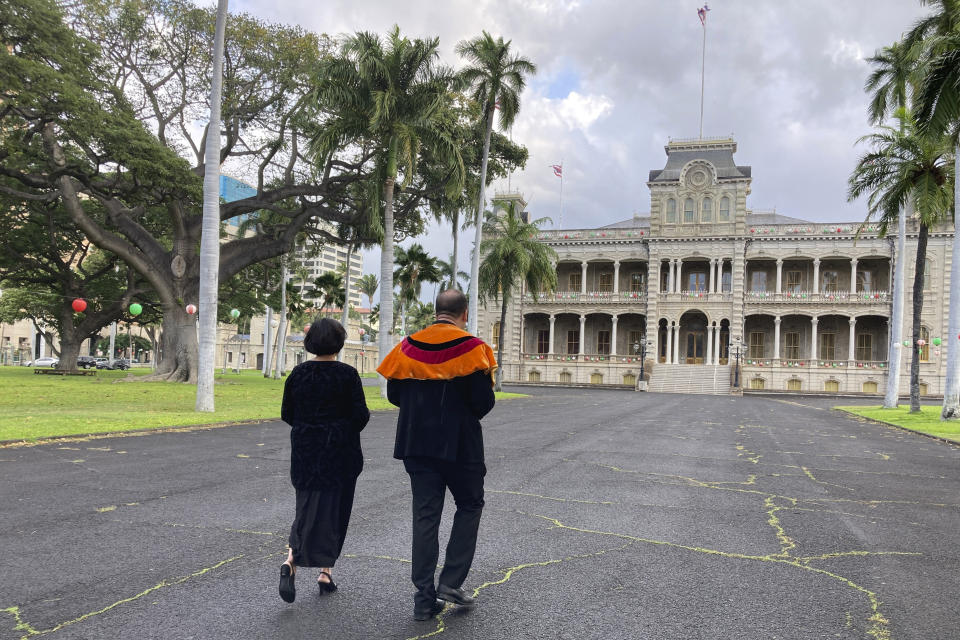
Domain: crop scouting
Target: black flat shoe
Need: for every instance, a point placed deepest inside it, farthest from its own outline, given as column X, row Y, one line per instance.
column 425, row 614
column 287, row 589
column 326, row 587
column 456, row 596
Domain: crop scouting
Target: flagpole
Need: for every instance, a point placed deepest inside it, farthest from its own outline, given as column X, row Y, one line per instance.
column 561, row 193
column 703, row 66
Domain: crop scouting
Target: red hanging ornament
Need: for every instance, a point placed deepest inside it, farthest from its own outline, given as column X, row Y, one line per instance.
column 79, row 305
column 191, row 309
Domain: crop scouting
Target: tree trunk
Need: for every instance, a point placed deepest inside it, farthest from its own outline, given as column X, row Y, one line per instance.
column 179, row 345
column 267, row 341
column 69, row 350
column 345, row 316
column 503, row 320
column 951, row 390
column 892, row 396
column 478, row 235
column 385, row 337
column 456, row 248
column 917, row 309
column 282, row 327
column 210, row 237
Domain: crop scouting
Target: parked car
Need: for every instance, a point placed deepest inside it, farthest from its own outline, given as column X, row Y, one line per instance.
column 99, row 360
column 119, row 363
column 47, row 361
column 86, row 362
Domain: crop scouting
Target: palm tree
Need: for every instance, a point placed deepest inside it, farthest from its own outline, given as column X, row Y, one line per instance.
column 889, row 83
column 388, row 96
column 450, row 279
column 907, row 167
column 497, row 79
column 414, row 267
column 513, row 256
column 328, row 288
column 368, row 286
column 422, row 316
column 938, row 112
column 210, row 234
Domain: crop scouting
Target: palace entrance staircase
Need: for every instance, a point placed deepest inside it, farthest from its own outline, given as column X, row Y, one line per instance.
column 691, row 378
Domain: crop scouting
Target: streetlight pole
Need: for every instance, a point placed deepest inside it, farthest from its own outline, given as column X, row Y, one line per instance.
column 736, row 368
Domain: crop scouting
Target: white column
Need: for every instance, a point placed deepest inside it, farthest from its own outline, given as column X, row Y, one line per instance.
column 851, row 353
column 679, row 270
column 813, row 338
column 669, row 357
column 583, row 335
column 550, row 348
column 716, row 344
column 816, row 275
column 853, row 277
column 713, row 273
column 613, row 337
column 583, row 277
column 776, row 338
column 720, row 275
column 670, row 276
column 676, row 344
column 616, row 276
column 779, row 275
column 708, row 356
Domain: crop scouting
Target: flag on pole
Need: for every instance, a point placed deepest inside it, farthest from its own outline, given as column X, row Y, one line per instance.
column 496, row 104
column 702, row 13
column 557, row 170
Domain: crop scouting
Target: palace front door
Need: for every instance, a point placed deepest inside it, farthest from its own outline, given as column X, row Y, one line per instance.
column 695, row 347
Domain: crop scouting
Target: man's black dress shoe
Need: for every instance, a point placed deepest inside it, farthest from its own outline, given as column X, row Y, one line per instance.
column 429, row 612
column 456, row 596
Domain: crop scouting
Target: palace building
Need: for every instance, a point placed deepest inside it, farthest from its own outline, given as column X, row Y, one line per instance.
column 703, row 283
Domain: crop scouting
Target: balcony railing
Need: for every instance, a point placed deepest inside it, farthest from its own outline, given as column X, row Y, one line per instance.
column 808, row 297
column 815, row 364
column 571, row 357
column 590, row 297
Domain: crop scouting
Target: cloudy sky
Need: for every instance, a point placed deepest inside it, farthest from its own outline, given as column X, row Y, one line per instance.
column 618, row 78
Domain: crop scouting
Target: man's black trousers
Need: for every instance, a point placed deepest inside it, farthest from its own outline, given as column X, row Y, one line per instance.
column 429, row 480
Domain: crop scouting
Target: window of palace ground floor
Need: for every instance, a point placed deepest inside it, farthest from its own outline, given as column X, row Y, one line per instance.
column 794, row 384
column 565, row 376
column 832, row 386
column 758, row 383
column 869, row 387
column 630, row 379
column 533, row 376
column 596, row 378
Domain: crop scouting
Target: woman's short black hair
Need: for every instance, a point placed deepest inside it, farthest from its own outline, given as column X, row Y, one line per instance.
column 326, row 336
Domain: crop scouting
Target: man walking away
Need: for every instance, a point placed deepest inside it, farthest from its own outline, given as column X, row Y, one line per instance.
column 442, row 380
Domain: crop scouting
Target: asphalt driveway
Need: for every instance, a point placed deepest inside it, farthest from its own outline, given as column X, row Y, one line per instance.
column 610, row 514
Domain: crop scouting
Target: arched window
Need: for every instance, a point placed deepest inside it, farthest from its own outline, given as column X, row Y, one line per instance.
column 794, row 384
column 671, row 210
column 596, row 378
column 533, row 376
column 630, row 379
column 831, row 386
column 724, row 209
column 869, row 387
column 928, row 275
column 706, row 210
column 688, row 210
column 495, row 335
column 565, row 376
column 925, row 349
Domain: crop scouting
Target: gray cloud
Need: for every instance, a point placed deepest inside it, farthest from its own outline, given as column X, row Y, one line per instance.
column 785, row 77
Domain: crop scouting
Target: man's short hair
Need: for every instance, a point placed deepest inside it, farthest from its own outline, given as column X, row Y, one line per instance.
column 326, row 336
column 451, row 302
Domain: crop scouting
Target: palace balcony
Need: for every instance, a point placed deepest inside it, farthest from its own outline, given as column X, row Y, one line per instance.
column 589, row 297
column 572, row 357
column 810, row 297
column 813, row 364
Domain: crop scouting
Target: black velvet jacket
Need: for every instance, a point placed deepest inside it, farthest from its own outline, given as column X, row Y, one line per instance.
column 324, row 405
column 441, row 418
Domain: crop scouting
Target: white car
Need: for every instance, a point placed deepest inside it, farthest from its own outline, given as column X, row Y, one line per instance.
column 44, row 362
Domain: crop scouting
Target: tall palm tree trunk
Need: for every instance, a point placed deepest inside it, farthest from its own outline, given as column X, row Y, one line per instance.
column 892, row 396
column 267, row 342
column 345, row 316
column 456, row 248
column 951, row 391
column 475, row 264
column 385, row 336
column 917, row 309
column 500, row 339
column 210, row 236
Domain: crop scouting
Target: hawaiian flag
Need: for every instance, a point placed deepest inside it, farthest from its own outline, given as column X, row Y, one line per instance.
column 557, row 170
column 702, row 12
column 496, row 105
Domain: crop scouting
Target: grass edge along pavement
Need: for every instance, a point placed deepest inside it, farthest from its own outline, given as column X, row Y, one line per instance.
column 927, row 422
column 34, row 408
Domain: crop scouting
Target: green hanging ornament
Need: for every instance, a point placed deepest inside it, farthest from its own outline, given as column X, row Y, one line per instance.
column 135, row 309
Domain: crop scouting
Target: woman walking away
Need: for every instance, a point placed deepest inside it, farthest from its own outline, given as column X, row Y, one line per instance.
column 324, row 405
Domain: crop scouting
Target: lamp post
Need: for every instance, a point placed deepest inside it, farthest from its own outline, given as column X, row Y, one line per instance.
column 736, row 368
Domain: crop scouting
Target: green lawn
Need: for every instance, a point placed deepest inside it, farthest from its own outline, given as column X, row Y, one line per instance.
column 41, row 406
column 927, row 421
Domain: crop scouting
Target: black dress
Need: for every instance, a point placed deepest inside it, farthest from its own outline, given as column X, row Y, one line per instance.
column 324, row 405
